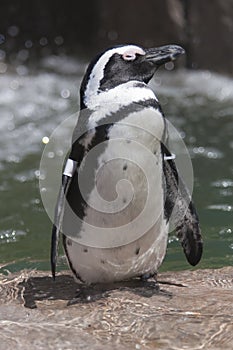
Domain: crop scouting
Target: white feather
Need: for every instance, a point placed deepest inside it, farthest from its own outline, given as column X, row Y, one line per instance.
column 97, row 73
column 149, row 233
column 108, row 102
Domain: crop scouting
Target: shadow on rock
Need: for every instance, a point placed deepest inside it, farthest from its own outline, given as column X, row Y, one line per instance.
column 64, row 288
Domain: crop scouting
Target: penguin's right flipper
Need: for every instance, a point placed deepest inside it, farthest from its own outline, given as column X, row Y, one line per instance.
column 58, row 217
column 178, row 204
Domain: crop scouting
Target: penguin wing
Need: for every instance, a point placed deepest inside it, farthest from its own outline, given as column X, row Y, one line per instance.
column 178, row 204
column 71, row 166
column 69, row 194
column 58, row 217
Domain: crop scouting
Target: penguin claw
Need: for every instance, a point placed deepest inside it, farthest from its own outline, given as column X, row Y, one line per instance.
column 146, row 276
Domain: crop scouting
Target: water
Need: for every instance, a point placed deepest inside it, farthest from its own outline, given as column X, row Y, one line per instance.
column 34, row 101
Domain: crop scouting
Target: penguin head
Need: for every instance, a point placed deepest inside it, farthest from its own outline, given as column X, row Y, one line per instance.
column 120, row 64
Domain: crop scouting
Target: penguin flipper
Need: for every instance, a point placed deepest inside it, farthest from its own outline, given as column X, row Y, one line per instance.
column 57, row 222
column 189, row 234
column 178, row 204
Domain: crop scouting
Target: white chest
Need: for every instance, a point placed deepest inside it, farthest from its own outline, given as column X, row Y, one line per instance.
column 123, row 233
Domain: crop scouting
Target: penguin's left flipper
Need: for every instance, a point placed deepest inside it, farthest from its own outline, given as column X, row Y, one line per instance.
column 189, row 234
column 178, row 204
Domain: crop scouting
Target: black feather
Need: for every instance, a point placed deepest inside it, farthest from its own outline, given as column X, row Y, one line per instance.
column 57, row 223
column 178, row 204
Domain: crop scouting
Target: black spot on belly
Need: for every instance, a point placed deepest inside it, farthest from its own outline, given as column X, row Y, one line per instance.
column 124, row 200
column 85, row 250
column 102, row 261
column 69, row 242
column 137, row 251
column 125, row 167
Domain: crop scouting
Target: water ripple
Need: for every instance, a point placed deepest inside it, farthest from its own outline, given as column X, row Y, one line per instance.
column 222, row 207
column 207, row 152
column 9, row 236
column 226, row 231
column 223, row 183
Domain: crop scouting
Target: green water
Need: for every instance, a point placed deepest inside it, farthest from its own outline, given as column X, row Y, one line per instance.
column 33, row 103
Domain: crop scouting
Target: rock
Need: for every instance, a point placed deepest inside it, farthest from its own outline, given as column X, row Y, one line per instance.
column 153, row 24
column 204, row 28
column 210, row 28
column 191, row 310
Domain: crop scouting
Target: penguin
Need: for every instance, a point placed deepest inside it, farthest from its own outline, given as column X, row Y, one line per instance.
column 119, row 164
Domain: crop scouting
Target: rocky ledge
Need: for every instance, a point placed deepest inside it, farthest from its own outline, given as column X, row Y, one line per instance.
column 189, row 310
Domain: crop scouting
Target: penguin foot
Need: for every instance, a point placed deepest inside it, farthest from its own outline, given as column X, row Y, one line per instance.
column 147, row 276
column 87, row 294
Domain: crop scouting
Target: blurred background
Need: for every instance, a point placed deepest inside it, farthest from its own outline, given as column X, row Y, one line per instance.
column 44, row 49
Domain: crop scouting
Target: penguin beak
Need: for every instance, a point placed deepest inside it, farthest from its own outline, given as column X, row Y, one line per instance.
column 163, row 54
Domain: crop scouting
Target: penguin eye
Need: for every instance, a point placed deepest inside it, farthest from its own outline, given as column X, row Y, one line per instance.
column 129, row 56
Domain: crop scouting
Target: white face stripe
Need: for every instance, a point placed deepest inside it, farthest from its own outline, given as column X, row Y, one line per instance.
column 97, row 73
column 111, row 101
